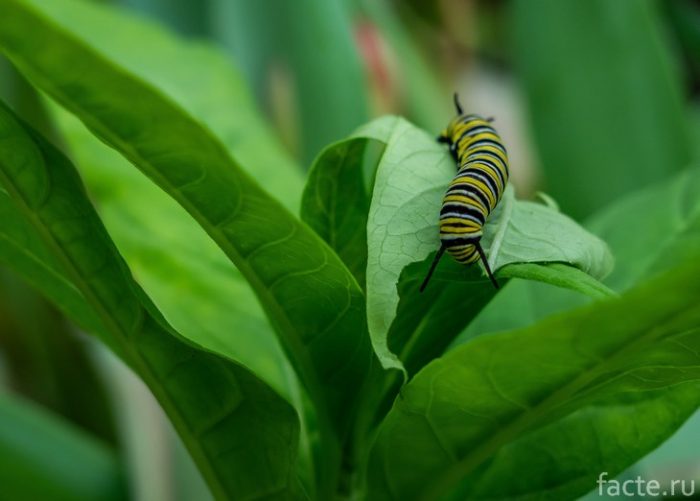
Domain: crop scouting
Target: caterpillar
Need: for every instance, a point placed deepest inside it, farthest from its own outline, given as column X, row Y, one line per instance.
column 482, row 175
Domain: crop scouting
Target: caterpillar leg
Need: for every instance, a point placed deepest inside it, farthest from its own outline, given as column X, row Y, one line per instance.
column 432, row 267
column 482, row 255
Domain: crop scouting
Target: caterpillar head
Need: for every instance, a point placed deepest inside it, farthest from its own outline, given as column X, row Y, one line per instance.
column 446, row 138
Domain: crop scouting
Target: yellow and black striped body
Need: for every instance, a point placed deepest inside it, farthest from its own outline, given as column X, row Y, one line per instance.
column 482, row 175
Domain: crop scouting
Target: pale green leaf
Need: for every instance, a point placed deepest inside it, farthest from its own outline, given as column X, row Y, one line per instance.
column 410, row 183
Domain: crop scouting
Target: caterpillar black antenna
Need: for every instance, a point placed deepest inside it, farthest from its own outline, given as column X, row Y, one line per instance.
column 439, row 254
column 458, row 106
column 482, row 255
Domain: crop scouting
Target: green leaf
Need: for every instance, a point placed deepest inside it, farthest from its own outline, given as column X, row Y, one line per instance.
column 410, row 183
column 426, row 324
column 300, row 56
column 605, row 105
column 561, row 275
column 176, row 262
column 670, row 229
column 336, row 199
column 312, row 300
column 228, row 419
column 527, row 232
column 597, row 380
column 195, row 75
column 34, row 447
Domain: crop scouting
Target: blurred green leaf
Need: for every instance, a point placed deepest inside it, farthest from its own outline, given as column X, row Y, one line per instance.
column 43, row 457
column 422, row 94
column 196, row 76
column 279, row 256
column 410, row 182
column 228, row 419
column 187, row 17
column 652, row 229
column 684, row 18
column 48, row 363
column 6, row 80
column 308, row 47
column 605, row 105
column 508, row 415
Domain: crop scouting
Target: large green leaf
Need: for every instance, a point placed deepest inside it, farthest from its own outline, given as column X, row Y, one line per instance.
column 34, row 448
column 521, row 403
column 228, row 419
column 411, row 178
column 176, row 262
column 312, row 300
column 604, row 103
column 196, row 76
column 300, row 56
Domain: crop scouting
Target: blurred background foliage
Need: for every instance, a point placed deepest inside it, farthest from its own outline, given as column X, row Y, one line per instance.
column 595, row 100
